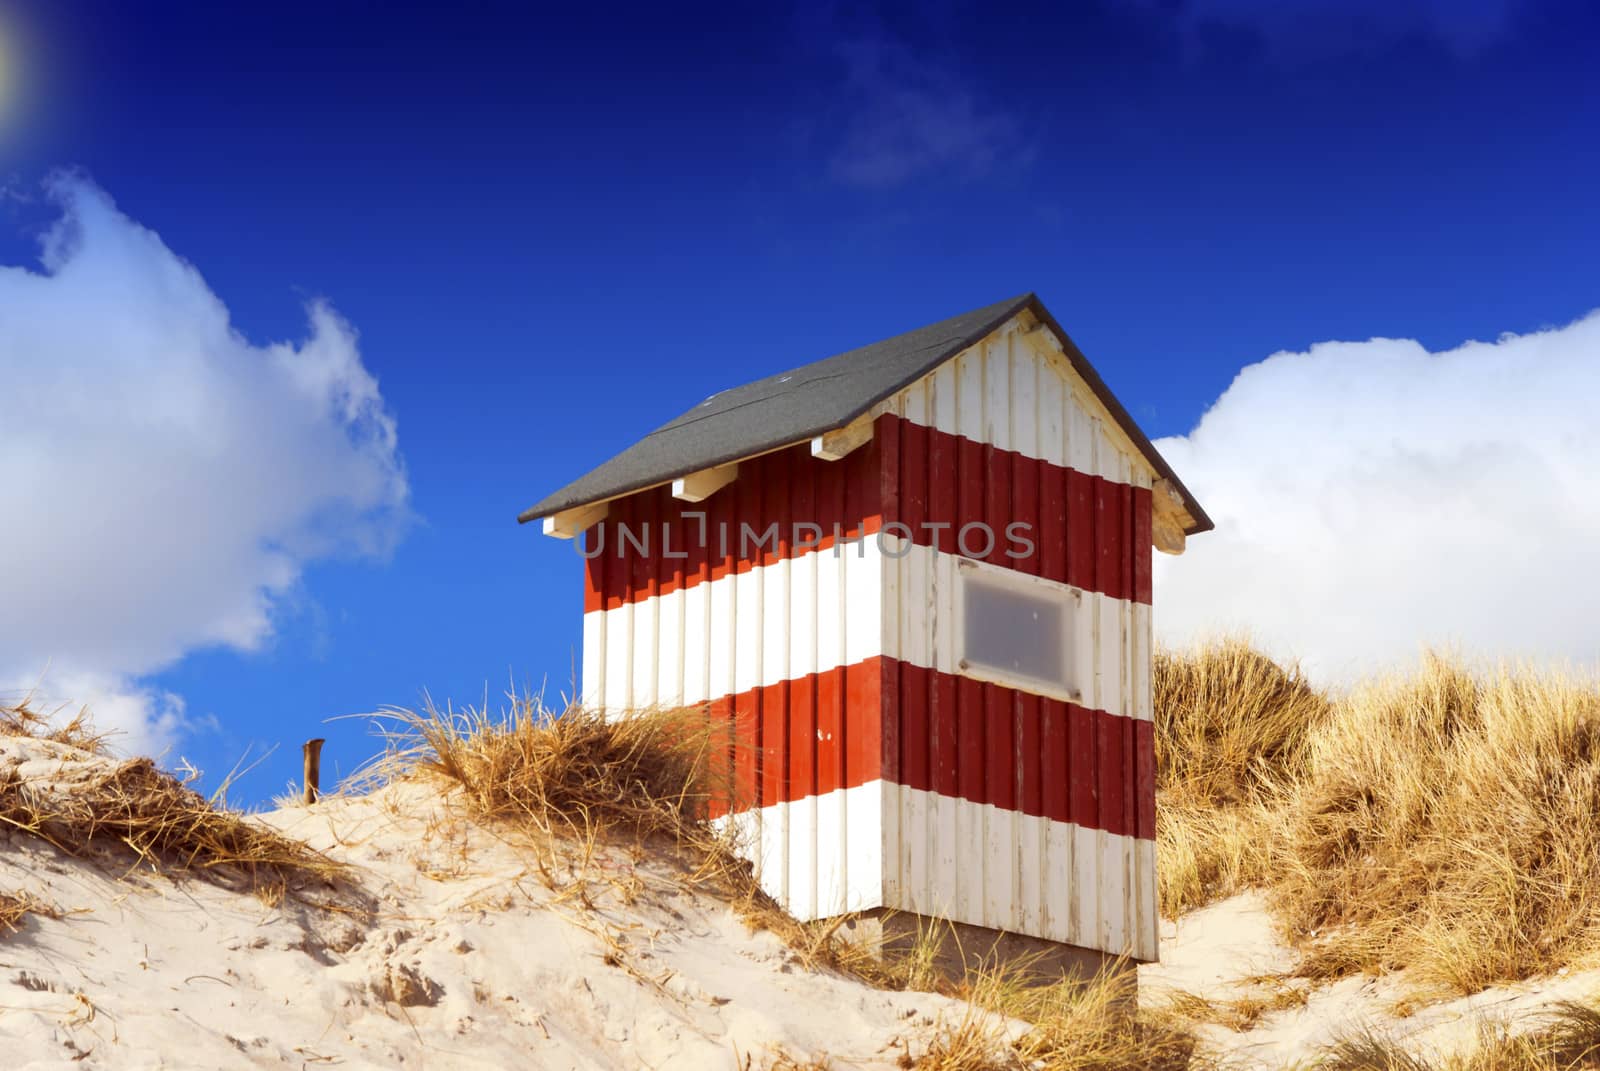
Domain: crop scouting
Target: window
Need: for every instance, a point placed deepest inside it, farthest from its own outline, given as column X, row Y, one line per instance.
column 1018, row 630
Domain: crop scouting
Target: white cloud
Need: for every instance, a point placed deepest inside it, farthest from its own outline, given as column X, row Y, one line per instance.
column 1372, row 497
column 165, row 480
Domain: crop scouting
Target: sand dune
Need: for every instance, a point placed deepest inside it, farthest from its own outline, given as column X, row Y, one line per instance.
column 447, row 950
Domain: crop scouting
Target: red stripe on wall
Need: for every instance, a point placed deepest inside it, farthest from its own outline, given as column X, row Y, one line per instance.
column 1054, row 768
column 1025, row 493
column 971, row 770
column 916, row 750
column 1001, row 757
column 1144, row 750
column 1108, row 774
column 941, row 451
column 771, row 744
column 864, row 758
column 997, row 475
column 1142, row 565
column 971, row 503
column 649, row 544
column 910, row 477
column 1085, row 530
column 1080, row 529
column 946, row 725
column 1030, row 746
column 831, row 702
column 890, row 451
column 1084, row 796
column 977, row 741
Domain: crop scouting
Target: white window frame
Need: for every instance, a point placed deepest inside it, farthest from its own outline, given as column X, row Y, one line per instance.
column 1071, row 598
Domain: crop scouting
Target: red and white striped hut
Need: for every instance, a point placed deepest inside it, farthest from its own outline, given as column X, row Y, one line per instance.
column 915, row 580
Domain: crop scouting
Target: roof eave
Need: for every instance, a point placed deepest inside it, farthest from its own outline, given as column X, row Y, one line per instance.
column 546, row 508
column 1200, row 520
column 542, row 510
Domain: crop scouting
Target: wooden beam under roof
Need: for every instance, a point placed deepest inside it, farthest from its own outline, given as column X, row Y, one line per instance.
column 836, row 444
column 699, row 486
column 1168, row 518
column 571, row 522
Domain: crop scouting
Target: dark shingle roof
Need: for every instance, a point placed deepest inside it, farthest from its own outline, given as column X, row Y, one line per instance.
column 794, row 406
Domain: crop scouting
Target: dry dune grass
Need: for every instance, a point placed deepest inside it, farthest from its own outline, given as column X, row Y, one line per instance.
column 1447, row 825
column 641, row 775
column 21, row 718
column 16, row 906
column 1567, row 1039
column 1266, row 994
column 1441, row 822
column 1072, row 1026
column 134, row 806
column 1233, row 731
column 1231, row 724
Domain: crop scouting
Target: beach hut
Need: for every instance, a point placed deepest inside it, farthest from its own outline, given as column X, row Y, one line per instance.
column 915, row 581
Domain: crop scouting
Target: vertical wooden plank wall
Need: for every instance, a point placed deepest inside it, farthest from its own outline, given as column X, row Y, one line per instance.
column 782, row 645
column 1008, row 809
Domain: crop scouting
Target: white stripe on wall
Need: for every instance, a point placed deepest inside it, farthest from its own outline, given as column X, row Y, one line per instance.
column 880, row 845
column 1012, row 392
column 824, row 610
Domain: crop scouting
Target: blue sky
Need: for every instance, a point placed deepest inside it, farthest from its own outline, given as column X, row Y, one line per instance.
column 553, row 231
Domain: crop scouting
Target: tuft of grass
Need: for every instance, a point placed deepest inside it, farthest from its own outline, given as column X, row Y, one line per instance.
column 1231, row 724
column 1569, row 1036
column 1370, row 1051
column 20, row 717
column 1072, row 1025
column 1233, row 737
column 974, row 1042
column 134, row 806
column 1271, row 993
column 1439, row 821
column 1446, row 826
column 1567, row 1039
column 640, row 775
column 1207, row 852
column 1081, row 1025
column 16, row 906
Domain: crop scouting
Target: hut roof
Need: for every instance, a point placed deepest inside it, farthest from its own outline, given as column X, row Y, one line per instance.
column 794, row 406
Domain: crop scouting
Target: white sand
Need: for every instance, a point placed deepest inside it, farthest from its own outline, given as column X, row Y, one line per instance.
column 471, row 963
column 1220, row 952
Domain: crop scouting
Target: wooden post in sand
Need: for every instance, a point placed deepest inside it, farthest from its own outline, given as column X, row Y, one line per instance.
column 313, row 758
